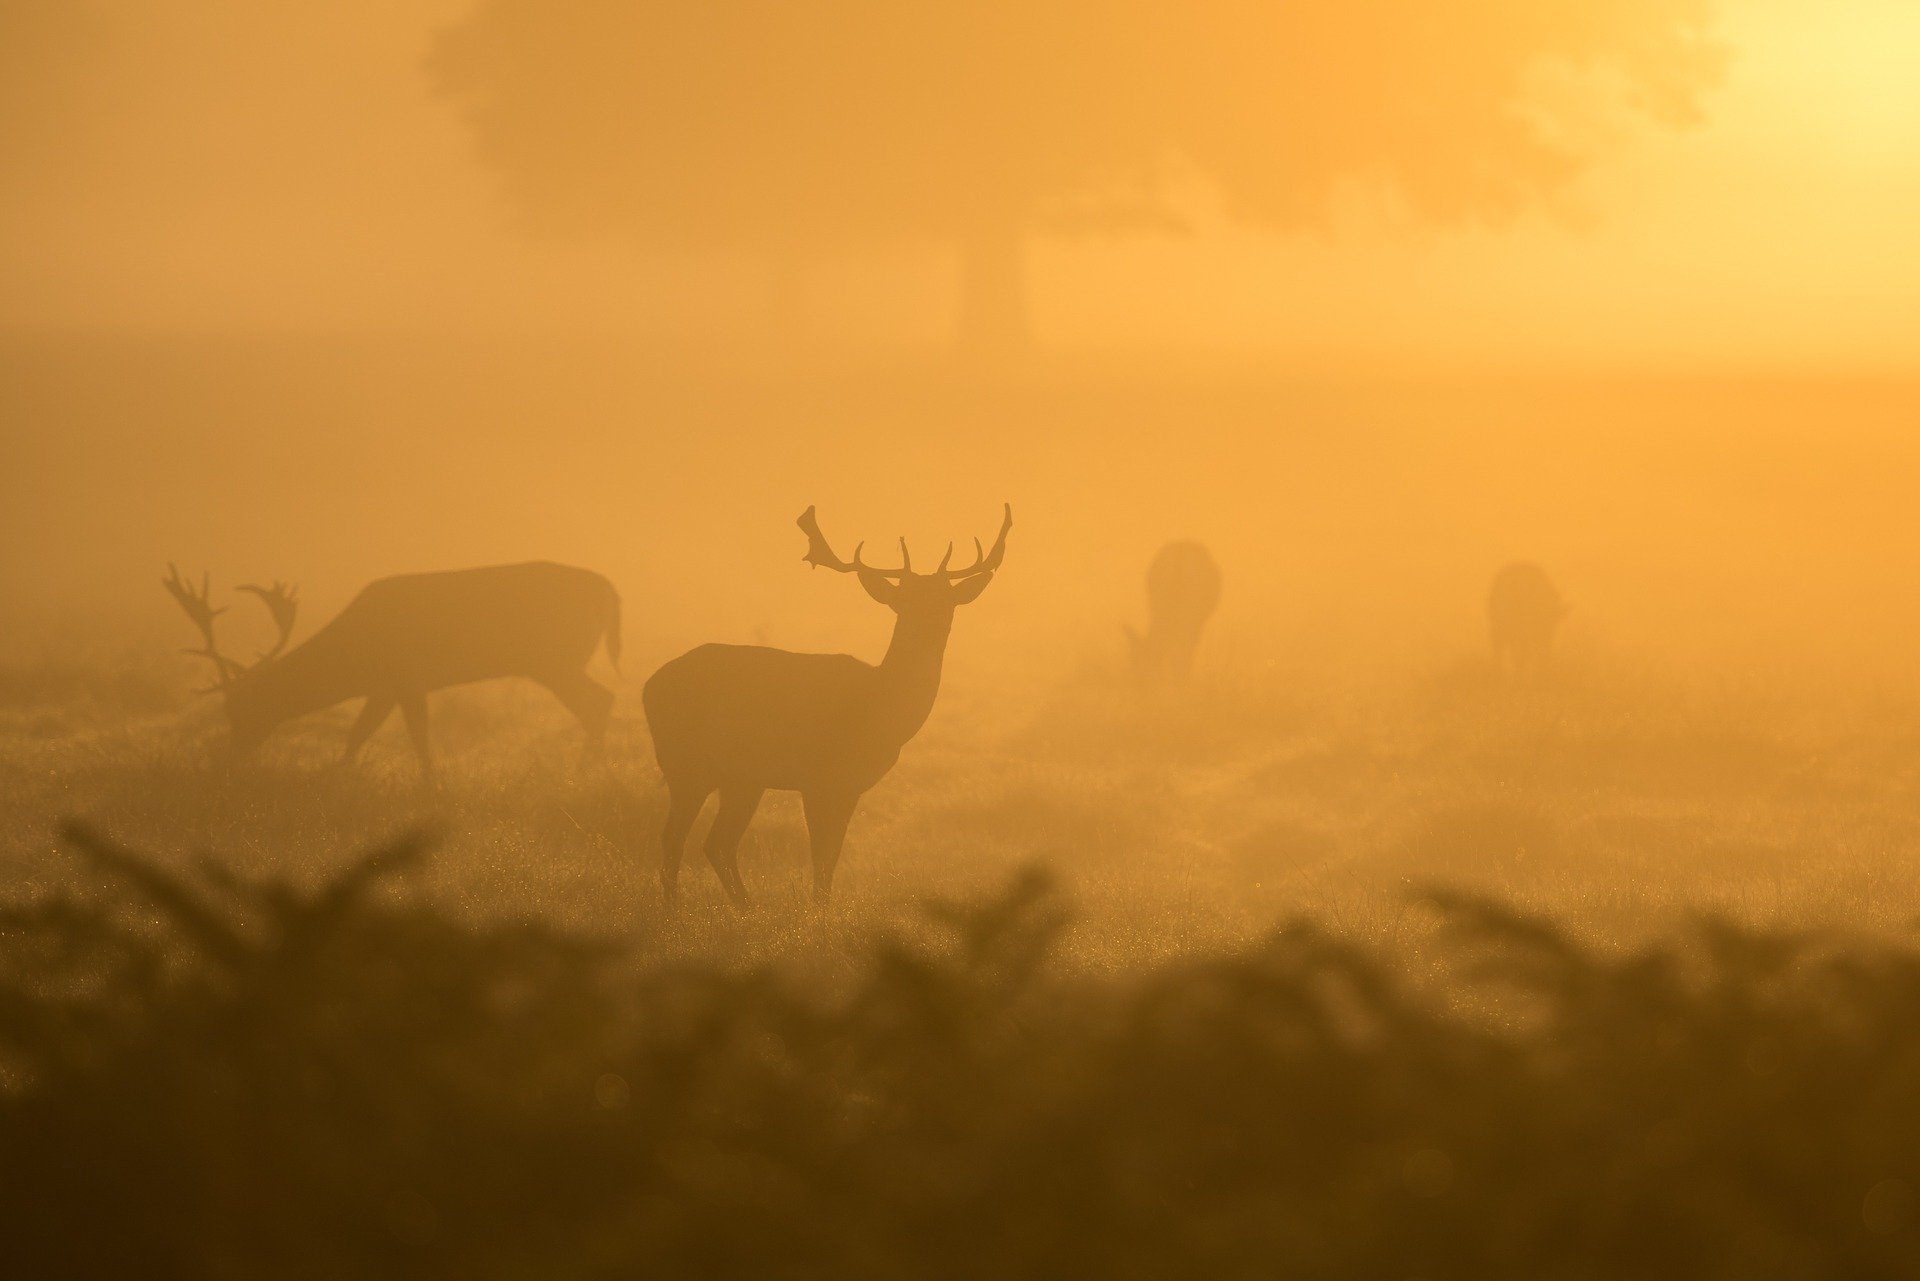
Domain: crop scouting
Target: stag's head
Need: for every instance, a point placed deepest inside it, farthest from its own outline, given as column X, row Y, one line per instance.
column 929, row 598
column 235, row 681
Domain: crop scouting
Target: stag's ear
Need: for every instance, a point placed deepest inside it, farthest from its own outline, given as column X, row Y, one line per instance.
column 881, row 589
column 967, row 590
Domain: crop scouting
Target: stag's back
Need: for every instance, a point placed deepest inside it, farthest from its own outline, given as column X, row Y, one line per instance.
column 445, row 628
column 764, row 717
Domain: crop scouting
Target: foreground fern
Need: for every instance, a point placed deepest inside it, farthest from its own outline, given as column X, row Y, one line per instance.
column 211, row 1077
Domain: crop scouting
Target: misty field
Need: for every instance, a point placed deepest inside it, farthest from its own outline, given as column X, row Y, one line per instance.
column 1623, row 802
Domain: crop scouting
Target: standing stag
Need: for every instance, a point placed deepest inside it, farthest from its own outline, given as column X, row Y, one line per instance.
column 1183, row 590
column 1524, row 610
column 402, row 638
column 742, row 719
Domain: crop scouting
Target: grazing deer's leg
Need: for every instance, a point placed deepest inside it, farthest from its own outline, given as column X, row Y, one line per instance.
column 373, row 714
column 737, row 805
column 589, row 701
column 414, row 708
column 828, row 814
column 683, row 806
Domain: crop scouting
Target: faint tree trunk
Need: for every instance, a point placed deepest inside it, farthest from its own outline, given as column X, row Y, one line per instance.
column 993, row 288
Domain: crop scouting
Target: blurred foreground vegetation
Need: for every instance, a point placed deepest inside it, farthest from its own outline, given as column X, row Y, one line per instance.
column 210, row 1075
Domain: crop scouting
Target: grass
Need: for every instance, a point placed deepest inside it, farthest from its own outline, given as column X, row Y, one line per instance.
column 1619, row 802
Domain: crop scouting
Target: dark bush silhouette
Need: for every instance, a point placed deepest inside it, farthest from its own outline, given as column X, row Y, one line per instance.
column 214, row 1077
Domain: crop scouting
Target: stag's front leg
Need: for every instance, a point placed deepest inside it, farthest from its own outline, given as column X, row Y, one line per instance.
column 414, row 708
column 828, row 814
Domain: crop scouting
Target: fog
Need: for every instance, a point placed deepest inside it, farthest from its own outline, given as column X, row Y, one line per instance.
column 224, row 167
column 1706, row 523
column 270, row 313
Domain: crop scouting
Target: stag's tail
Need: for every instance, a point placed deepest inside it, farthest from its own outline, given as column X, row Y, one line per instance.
column 612, row 636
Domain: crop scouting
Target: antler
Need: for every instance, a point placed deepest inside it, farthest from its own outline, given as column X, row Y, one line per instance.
column 281, row 603
column 985, row 562
column 820, row 553
column 201, row 611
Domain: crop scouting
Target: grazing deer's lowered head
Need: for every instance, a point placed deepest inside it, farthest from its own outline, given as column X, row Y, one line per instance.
column 743, row 719
column 1183, row 590
column 241, row 686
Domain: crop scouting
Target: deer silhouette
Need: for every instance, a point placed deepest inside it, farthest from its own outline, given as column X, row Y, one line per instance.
column 403, row 637
column 1524, row 610
column 745, row 719
column 1183, row 590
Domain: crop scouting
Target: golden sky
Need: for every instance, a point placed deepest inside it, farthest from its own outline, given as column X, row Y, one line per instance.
column 245, row 166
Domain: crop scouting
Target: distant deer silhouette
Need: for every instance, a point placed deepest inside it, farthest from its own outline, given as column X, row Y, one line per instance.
column 1183, row 590
column 404, row 637
column 1524, row 610
column 743, row 719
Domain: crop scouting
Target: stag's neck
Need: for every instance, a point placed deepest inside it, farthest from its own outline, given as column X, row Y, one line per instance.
column 304, row 679
column 910, row 675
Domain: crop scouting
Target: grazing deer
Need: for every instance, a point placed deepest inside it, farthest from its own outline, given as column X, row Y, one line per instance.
column 742, row 719
column 1524, row 610
column 404, row 637
column 1183, row 590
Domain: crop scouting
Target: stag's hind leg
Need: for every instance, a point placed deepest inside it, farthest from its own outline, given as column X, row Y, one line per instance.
column 683, row 806
column 737, row 805
column 372, row 716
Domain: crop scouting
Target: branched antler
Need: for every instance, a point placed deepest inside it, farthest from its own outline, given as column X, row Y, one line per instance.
column 281, row 602
column 819, row 552
column 985, row 562
column 200, row 609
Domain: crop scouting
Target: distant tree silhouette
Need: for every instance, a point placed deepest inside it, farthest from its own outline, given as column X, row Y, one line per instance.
column 782, row 127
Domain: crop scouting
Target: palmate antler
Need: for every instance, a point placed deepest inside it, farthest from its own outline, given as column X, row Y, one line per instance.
column 821, row 554
column 279, row 600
